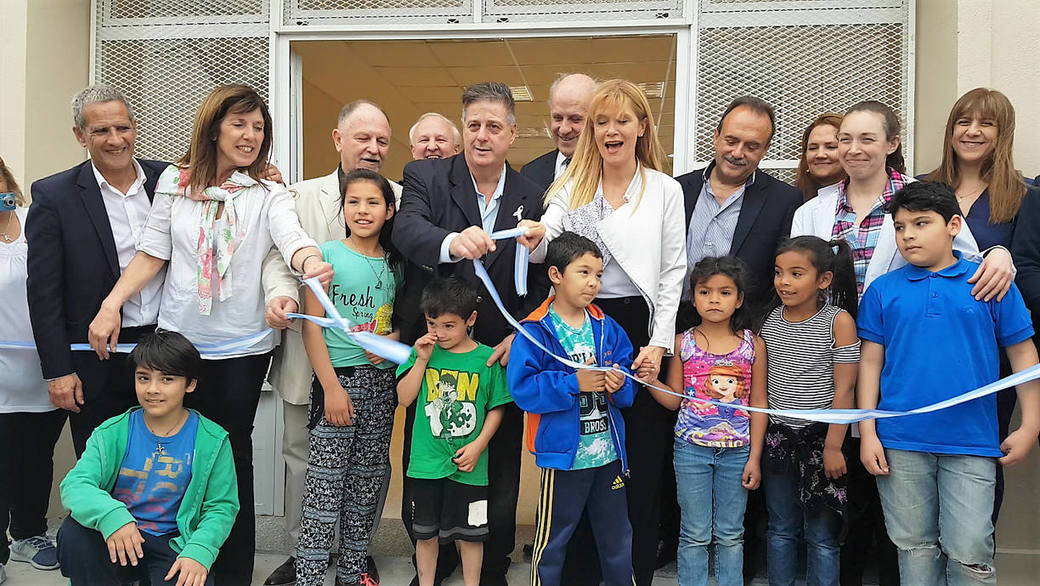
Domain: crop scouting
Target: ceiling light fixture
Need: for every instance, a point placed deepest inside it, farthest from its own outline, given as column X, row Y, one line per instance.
column 521, row 93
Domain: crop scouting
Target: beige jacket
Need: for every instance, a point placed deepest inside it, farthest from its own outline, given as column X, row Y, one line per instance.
column 317, row 205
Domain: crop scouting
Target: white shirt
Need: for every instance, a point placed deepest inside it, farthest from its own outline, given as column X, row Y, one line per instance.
column 127, row 214
column 269, row 220
column 22, row 388
column 560, row 167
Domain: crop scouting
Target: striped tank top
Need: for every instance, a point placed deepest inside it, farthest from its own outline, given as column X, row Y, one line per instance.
column 721, row 377
column 800, row 369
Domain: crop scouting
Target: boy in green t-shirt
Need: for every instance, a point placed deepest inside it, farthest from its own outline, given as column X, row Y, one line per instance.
column 458, row 410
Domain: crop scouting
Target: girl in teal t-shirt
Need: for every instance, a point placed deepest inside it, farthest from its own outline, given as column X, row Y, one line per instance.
column 353, row 395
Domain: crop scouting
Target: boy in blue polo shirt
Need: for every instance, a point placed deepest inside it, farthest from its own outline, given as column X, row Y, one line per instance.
column 926, row 339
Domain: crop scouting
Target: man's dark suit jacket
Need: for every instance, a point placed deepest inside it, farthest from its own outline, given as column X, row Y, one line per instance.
column 72, row 260
column 439, row 198
column 541, row 170
column 764, row 222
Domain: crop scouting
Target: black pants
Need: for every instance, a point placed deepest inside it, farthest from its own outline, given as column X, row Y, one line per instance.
column 108, row 387
column 866, row 539
column 228, row 392
column 26, row 470
column 85, row 559
column 649, row 433
column 503, row 491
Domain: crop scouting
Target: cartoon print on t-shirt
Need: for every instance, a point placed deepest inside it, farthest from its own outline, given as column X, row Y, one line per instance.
column 449, row 413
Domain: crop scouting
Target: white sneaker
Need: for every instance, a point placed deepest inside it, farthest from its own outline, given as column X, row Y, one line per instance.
column 38, row 551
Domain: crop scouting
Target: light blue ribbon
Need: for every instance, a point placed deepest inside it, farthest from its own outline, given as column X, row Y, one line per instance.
column 838, row 416
column 521, row 259
column 391, row 350
column 211, row 350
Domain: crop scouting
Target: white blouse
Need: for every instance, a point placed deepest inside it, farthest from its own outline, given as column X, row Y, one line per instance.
column 268, row 216
column 646, row 239
column 22, row 388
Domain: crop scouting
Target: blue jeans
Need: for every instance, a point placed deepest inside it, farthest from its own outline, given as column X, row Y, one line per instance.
column 789, row 522
column 712, row 499
column 938, row 511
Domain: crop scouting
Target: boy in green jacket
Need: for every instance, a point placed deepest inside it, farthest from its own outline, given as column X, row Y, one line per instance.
column 154, row 495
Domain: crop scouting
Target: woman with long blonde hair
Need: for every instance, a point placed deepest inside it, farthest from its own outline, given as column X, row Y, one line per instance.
column 616, row 193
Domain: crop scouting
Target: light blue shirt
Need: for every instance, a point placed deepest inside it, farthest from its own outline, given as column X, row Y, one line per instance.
column 488, row 214
column 712, row 224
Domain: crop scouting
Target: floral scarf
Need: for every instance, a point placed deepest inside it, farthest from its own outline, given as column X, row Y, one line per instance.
column 215, row 245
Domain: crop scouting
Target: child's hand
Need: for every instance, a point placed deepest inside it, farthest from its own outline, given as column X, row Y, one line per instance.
column 339, row 409
column 467, row 456
column 613, row 379
column 124, row 545
column 374, row 359
column 591, row 381
column 752, row 476
column 872, row 454
column 1016, row 447
column 424, row 346
column 833, row 462
column 192, row 573
column 647, row 372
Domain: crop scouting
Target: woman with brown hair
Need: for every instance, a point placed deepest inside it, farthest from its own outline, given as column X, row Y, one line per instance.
column 978, row 163
column 616, row 193
column 818, row 165
column 214, row 221
column 29, row 424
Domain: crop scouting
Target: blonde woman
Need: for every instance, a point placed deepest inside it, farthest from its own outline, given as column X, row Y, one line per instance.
column 615, row 193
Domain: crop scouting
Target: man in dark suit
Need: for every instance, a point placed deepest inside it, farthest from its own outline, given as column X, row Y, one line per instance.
column 448, row 209
column 81, row 230
column 568, row 106
column 733, row 207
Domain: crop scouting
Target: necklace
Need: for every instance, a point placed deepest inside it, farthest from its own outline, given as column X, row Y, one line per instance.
column 5, row 233
column 382, row 269
column 159, row 447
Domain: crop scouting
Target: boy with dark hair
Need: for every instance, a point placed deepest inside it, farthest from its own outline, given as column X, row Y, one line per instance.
column 574, row 428
column 458, row 409
column 926, row 339
column 154, row 494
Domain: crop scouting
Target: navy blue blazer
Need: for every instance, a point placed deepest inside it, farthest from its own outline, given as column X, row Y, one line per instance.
column 764, row 222
column 1025, row 249
column 72, row 260
column 438, row 199
column 542, row 170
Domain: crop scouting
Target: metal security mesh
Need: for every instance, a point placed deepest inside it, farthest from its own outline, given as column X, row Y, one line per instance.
column 803, row 70
column 303, row 12
column 535, row 10
column 165, row 80
column 111, row 12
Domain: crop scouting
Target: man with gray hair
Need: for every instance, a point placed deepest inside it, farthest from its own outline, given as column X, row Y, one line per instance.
column 433, row 136
column 568, row 106
column 362, row 139
column 450, row 206
column 82, row 231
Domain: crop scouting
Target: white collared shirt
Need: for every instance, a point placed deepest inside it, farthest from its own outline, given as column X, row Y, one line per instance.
column 127, row 215
column 560, row 167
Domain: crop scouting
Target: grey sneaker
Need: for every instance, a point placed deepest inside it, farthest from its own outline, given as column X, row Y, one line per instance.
column 3, row 574
column 38, row 551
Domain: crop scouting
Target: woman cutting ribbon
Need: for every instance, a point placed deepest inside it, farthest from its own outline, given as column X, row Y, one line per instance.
column 214, row 221
column 615, row 194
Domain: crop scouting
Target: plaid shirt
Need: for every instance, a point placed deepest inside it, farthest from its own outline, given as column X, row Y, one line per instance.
column 865, row 238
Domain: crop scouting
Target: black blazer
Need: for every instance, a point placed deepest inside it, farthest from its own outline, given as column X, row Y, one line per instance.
column 541, row 170
column 72, row 259
column 1025, row 249
column 439, row 198
column 764, row 222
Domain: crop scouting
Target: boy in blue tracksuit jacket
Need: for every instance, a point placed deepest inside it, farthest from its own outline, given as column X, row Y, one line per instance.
column 574, row 428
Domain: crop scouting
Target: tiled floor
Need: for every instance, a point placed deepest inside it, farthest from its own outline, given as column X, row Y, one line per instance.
column 392, row 552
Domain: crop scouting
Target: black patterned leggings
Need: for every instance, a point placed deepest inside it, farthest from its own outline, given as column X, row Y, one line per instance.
column 345, row 470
